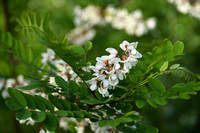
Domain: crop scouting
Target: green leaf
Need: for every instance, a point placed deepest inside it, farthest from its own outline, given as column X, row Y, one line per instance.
column 88, row 115
column 61, row 113
column 151, row 129
column 110, row 112
column 38, row 18
column 174, row 90
column 77, row 50
column 30, row 102
column 125, row 119
column 73, row 87
column 48, row 104
column 30, row 86
column 88, row 46
column 140, row 103
column 164, row 66
column 26, row 18
column 22, row 114
column 184, row 96
column 13, row 105
column 112, row 123
column 61, row 82
column 129, row 113
column 38, row 116
column 120, row 105
column 17, row 97
column 127, row 108
column 74, row 107
column 174, row 66
column 167, row 50
column 157, row 86
column 46, row 23
column 159, row 100
column 66, row 104
column 136, row 117
column 151, row 102
column 78, row 114
column 31, row 16
column 29, row 55
column 39, row 105
column 50, row 123
column 70, row 113
column 143, row 91
column 55, row 102
column 9, row 40
column 178, row 48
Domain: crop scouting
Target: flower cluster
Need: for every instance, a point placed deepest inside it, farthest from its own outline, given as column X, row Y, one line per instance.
column 87, row 18
column 185, row 7
column 63, row 69
column 81, row 125
column 109, row 69
column 11, row 82
column 133, row 23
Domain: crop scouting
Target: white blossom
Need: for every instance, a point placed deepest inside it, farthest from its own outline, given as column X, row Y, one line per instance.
column 1, row 84
column 87, row 18
column 109, row 71
column 81, row 34
column 28, row 121
column 63, row 123
column 48, row 56
column 185, row 7
column 151, row 23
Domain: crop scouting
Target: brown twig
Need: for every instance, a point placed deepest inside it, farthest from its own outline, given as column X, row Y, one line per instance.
column 6, row 15
column 12, row 60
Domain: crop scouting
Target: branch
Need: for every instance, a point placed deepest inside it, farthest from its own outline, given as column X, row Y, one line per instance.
column 6, row 15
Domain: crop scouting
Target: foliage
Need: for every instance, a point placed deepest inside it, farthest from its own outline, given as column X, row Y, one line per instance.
column 76, row 100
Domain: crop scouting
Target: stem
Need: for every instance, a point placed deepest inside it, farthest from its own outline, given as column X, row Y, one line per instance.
column 15, row 122
column 12, row 60
column 6, row 15
column 86, row 84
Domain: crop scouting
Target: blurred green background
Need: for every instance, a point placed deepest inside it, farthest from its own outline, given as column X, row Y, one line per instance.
column 178, row 116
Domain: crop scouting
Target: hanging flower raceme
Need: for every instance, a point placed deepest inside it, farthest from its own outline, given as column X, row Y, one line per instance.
column 86, row 19
column 109, row 69
column 63, row 69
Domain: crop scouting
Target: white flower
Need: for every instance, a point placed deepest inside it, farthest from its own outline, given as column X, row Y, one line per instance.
column 120, row 19
column 93, row 84
column 10, row 83
column 27, row 121
column 128, row 47
column 140, row 29
column 48, row 56
column 113, row 52
column 21, row 81
column 183, row 6
column 108, row 70
column 63, row 123
column 121, row 74
column 102, row 62
column 90, row 15
column 44, row 131
column 137, row 14
column 113, row 79
column 1, row 84
column 151, row 23
column 81, row 34
column 115, row 63
column 110, row 13
column 5, row 94
column 103, row 89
